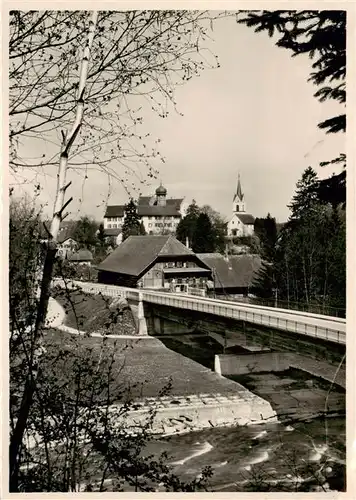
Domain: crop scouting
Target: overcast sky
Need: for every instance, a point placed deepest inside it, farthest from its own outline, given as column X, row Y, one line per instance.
column 255, row 115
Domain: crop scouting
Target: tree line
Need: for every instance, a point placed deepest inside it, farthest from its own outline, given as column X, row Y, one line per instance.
column 305, row 262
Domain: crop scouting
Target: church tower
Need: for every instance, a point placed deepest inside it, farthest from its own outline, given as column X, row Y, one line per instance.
column 238, row 202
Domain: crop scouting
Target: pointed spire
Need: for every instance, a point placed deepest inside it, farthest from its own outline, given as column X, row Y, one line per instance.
column 239, row 190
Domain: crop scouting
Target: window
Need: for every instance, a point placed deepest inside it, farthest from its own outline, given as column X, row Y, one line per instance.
column 149, row 225
column 114, row 225
column 237, row 208
column 109, row 226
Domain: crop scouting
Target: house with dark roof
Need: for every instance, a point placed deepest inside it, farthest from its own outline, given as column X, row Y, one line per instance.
column 82, row 256
column 232, row 274
column 241, row 222
column 113, row 235
column 158, row 213
column 65, row 241
column 154, row 261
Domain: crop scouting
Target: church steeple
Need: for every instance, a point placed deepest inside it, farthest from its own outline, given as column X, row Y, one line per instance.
column 238, row 201
column 239, row 190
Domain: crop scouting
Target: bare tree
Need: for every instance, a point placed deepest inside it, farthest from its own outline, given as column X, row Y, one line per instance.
column 135, row 54
column 116, row 54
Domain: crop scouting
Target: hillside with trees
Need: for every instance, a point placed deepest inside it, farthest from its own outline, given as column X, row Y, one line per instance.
column 307, row 263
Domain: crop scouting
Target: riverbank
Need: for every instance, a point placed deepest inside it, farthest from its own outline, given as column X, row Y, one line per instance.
column 301, row 452
column 143, row 368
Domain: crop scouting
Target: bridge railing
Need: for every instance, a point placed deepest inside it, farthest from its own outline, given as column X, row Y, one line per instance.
column 199, row 292
column 316, row 325
column 315, row 308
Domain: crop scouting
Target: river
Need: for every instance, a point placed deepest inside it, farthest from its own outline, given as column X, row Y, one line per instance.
column 301, row 452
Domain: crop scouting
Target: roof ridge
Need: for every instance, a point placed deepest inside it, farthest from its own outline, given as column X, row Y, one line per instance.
column 176, row 241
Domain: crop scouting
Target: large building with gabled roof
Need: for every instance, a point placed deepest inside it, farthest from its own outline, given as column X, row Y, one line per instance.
column 160, row 262
column 158, row 213
column 241, row 222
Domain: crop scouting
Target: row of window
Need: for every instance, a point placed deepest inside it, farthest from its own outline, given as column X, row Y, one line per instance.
column 113, row 219
column 150, row 217
column 157, row 224
column 160, row 217
column 175, row 264
column 161, row 224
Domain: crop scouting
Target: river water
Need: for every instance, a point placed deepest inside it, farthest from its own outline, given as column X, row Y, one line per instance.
column 301, row 452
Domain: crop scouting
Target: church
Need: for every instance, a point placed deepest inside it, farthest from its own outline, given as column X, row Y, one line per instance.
column 241, row 222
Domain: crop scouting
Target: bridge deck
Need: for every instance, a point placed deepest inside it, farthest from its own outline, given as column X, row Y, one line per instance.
column 319, row 326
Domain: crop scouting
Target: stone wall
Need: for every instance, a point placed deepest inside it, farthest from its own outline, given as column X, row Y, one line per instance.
column 231, row 364
column 186, row 413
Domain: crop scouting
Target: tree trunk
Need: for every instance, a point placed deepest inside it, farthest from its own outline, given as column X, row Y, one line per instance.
column 305, row 282
column 287, row 276
column 59, row 206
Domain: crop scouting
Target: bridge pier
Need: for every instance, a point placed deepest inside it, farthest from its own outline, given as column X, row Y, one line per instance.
column 138, row 313
column 147, row 323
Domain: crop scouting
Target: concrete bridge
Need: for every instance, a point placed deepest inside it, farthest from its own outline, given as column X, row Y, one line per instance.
column 257, row 329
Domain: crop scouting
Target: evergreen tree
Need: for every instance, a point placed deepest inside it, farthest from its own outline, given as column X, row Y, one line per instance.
column 321, row 34
column 306, row 196
column 187, row 226
column 264, row 284
column 204, row 239
column 132, row 222
column 85, row 232
column 219, row 226
column 333, row 189
column 101, row 236
column 266, row 231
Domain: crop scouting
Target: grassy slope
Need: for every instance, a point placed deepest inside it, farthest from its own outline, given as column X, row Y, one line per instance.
column 146, row 365
column 91, row 313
